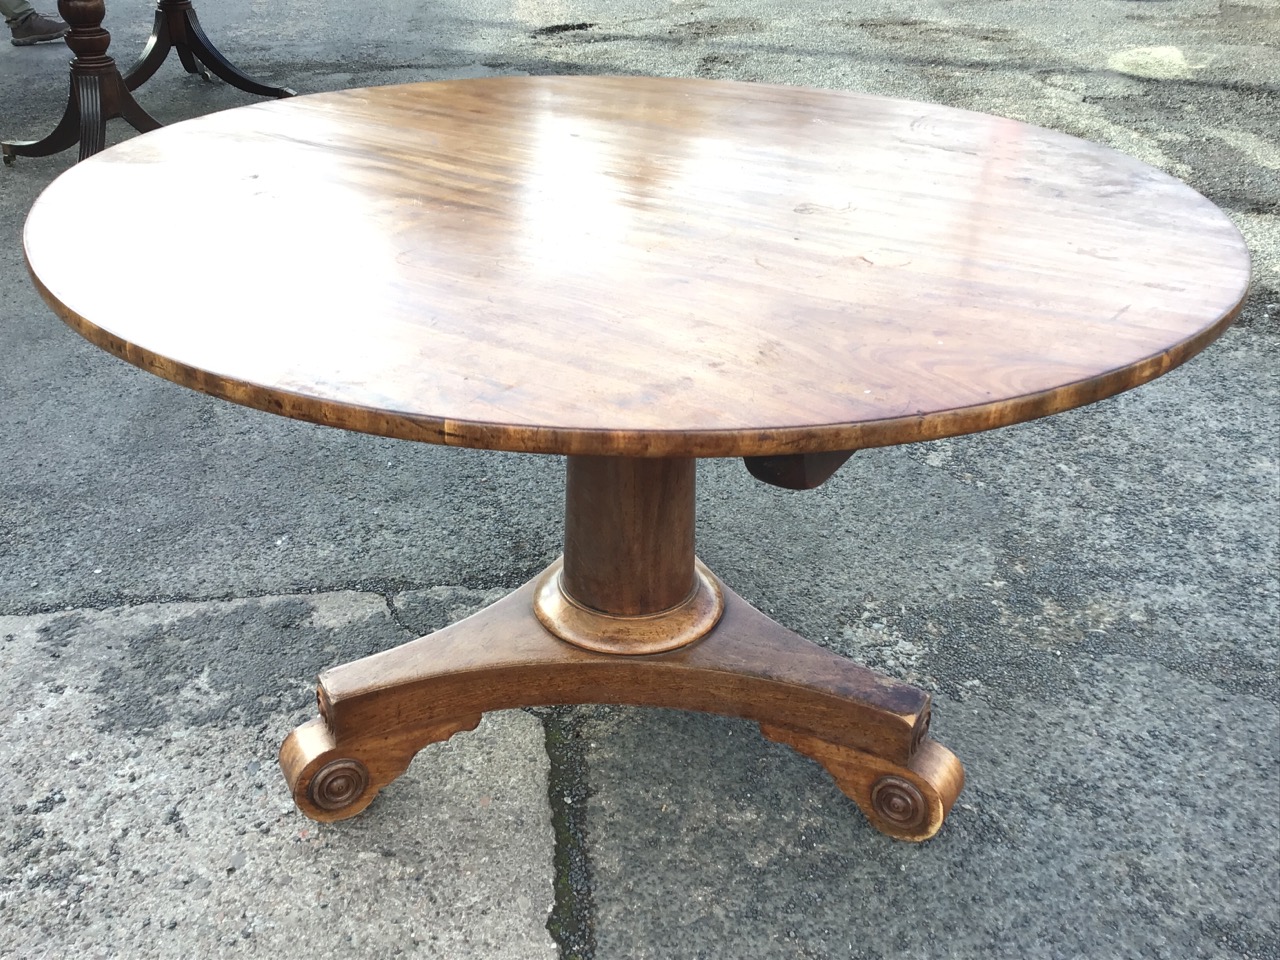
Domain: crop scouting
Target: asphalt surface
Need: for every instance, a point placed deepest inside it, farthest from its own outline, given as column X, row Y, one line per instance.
column 1091, row 598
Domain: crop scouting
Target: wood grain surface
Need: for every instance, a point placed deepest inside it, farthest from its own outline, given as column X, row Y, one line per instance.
column 634, row 266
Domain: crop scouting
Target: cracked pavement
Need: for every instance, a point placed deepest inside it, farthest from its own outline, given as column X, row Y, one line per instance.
column 1091, row 598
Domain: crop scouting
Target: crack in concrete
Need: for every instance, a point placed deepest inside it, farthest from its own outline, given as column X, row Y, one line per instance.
column 572, row 919
column 395, row 615
column 383, row 587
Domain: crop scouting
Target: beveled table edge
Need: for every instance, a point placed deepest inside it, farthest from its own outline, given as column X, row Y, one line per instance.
column 520, row 438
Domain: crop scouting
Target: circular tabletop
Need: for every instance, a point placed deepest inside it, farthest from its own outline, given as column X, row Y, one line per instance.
column 633, row 266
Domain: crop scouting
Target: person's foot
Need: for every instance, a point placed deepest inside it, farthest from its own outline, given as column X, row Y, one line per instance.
column 37, row 28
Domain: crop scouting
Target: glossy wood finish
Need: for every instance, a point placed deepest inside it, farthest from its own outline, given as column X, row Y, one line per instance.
column 641, row 267
column 870, row 732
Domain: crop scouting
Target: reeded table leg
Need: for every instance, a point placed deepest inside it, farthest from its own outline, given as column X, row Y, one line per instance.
column 98, row 92
column 628, row 577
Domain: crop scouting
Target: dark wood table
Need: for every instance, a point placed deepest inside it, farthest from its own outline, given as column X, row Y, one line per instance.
column 636, row 273
column 99, row 92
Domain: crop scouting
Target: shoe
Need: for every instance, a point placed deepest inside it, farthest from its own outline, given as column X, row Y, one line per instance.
column 37, row 28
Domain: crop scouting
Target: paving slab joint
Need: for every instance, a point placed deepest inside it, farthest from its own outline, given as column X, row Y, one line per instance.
column 572, row 919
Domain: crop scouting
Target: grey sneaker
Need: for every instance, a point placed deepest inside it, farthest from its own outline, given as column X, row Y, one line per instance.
column 37, row 28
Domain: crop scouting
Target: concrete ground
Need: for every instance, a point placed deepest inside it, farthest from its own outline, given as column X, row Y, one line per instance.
column 1091, row 598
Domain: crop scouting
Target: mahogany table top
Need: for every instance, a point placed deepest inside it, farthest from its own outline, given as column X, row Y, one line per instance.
column 640, row 267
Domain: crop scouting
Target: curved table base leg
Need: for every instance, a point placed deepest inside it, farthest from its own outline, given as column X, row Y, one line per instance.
column 869, row 731
column 64, row 135
column 98, row 94
column 178, row 28
column 908, row 801
column 334, row 780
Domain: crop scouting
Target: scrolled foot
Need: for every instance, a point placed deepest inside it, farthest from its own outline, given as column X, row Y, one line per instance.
column 334, row 781
column 338, row 784
column 905, row 802
column 898, row 801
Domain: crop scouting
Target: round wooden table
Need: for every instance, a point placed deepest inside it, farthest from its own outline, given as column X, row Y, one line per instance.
column 636, row 273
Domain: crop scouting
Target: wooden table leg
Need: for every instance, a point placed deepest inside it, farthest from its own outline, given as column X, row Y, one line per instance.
column 870, row 732
column 177, row 27
column 98, row 92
